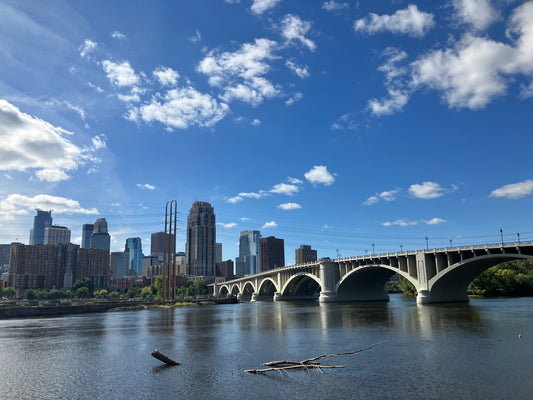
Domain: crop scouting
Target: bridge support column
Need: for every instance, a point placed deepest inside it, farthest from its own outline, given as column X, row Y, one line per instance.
column 277, row 296
column 254, row 296
column 422, row 297
column 329, row 276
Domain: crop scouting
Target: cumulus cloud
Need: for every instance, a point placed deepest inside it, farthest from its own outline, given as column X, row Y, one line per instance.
column 409, row 21
column 389, row 195
column 301, row 71
column 426, row 190
column 197, row 37
column 288, row 189
column 240, row 74
column 270, row 224
column 294, row 29
column 319, row 175
column 345, row 122
column 255, row 122
column 146, row 186
column 31, row 143
column 118, row 35
column 289, row 206
column 514, row 190
column 121, row 74
column 285, row 188
column 17, row 204
column 295, row 98
column 478, row 13
column 180, row 108
column 403, row 222
column 260, row 6
column 166, row 76
column 334, row 6
column 228, row 225
column 471, row 72
column 87, row 47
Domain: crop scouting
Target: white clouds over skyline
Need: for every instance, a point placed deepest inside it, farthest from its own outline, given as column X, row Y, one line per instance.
column 17, row 204
column 319, row 175
column 260, row 6
column 479, row 13
column 290, row 206
column 269, row 225
column 403, row 222
column 426, row 190
column 514, row 190
column 294, row 29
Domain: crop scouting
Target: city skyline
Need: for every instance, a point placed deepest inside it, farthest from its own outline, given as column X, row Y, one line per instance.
column 346, row 126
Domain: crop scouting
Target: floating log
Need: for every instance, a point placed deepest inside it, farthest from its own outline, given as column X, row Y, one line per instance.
column 164, row 358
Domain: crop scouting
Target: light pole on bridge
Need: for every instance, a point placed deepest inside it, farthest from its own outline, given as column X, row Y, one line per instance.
column 373, row 248
column 427, row 244
column 451, row 243
column 401, row 248
column 518, row 235
column 501, row 234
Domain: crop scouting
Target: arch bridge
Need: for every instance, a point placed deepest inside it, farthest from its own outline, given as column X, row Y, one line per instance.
column 439, row 275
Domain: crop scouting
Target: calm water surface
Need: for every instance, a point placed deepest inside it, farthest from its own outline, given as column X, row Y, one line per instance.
column 464, row 351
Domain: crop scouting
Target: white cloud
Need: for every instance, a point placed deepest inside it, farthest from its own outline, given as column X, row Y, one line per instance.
column 299, row 96
column 197, row 37
column 166, row 76
column 244, row 219
column 514, row 190
column 228, row 225
column 234, row 199
column 260, row 6
column 118, row 35
column 270, row 224
column 478, row 13
column 289, row 206
column 146, row 186
column 180, row 108
column 31, row 143
column 409, row 21
column 389, row 195
column 345, row 122
column 302, row 72
column 99, row 142
column 295, row 181
column 403, row 222
column 319, row 174
column 334, row 6
column 87, row 47
column 120, row 74
column 294, row 29
column 255, row 122
column 17, row 204
column 240, row 74
column 285, row 188
column 426, row 190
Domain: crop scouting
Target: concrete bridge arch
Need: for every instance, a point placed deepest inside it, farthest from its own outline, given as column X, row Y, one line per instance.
column 301, row 286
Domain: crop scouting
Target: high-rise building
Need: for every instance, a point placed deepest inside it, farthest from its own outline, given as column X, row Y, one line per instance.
column 225, row 268
column 86, row 232
column 119, row 263
column 304, row 254
column 135, row 254
column 271, row 253
column 100, row 238
column 248, row 260
column 94, row 264
column 56, row 234
column 157, row 243
column 42, row 220
column 201, row 239
column 218, row 251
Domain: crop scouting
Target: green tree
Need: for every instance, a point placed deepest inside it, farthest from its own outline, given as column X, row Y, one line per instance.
column 84, row 282
column 82, row 292
column 102, row 294
column 146, row 292
column 9, row 292
column 30, row 294
column 406, row 287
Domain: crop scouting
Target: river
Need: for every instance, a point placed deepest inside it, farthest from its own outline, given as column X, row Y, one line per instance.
column 452, row 351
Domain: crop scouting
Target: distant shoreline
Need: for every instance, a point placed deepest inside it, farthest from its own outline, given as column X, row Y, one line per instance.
column 29, row 311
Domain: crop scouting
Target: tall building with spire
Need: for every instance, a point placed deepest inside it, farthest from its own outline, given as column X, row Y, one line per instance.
column 42, row 220
column 201, row 240
column 248, row 260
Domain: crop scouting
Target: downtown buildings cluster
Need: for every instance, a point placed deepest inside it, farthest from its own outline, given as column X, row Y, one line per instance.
column 51, row 261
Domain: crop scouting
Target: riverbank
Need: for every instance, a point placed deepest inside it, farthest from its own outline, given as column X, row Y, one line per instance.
column 35, row 309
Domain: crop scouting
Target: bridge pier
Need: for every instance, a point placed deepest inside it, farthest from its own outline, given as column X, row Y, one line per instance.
column 329, row 275
column 423, row 297
column 327, row 297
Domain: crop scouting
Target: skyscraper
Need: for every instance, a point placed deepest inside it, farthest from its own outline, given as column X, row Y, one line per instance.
column 201, row 239
column 86, row 232
column 135, row 254
column 271, row 253
column 248, row 260
column 304, row 255
column 56, row 234
column 218, row 256
column 157, row 243
column 100, row 238
column 42, row 220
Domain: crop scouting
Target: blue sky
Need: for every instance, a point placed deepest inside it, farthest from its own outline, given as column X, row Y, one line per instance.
column 332, row 123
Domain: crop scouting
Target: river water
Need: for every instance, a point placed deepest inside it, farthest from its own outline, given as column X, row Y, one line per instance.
column 454, row 351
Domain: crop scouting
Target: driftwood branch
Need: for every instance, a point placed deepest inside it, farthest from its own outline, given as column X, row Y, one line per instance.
column 164, row 358
column 310, row 363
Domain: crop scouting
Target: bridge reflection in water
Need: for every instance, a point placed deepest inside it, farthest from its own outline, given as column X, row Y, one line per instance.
column 439, row 275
